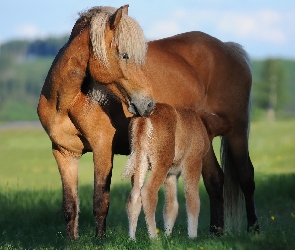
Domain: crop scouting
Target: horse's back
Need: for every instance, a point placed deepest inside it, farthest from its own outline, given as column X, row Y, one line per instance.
column 203, row 71
column 181, row 128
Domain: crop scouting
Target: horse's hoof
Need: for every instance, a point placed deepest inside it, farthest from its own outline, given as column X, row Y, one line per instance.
column 216, row 231
column 100, row 235
column 254, row 228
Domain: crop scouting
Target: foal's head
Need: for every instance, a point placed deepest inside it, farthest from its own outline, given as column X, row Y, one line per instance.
column 117, row 55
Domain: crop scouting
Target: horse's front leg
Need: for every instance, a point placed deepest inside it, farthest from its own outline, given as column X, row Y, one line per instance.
column 103, row 160
column 68, row 168
column 95, row 125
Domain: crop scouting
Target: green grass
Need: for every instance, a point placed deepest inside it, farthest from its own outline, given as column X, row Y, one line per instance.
column 30, row 198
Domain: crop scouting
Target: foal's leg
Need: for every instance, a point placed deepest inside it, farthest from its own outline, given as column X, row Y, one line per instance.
column 213, row 180
column 171, row 204
column 134, row 201
column 149, row 194
column 133, row 208
column 68, row 168
column 191, row 177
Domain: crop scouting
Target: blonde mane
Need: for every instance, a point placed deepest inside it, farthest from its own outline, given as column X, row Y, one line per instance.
column 128, row 37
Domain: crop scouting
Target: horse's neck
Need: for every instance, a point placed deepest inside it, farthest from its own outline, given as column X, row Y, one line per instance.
column 99, row 92
column 67, row 73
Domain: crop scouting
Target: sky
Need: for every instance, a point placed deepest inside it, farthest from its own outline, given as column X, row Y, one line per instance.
column 266, row 28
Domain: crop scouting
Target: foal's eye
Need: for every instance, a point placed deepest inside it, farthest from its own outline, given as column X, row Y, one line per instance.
column 124, row 56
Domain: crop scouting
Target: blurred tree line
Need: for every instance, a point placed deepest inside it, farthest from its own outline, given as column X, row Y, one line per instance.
column 273, row 89
column 24, row 66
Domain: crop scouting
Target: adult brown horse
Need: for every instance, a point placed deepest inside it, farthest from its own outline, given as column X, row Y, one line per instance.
column 191, row 70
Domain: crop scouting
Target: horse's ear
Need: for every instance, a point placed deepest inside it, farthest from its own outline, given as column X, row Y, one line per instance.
column 116, row 17
column 125, row 9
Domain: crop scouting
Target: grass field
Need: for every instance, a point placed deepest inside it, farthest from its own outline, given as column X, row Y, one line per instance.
column 30, row 198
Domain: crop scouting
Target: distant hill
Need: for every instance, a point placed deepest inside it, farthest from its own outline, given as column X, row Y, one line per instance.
column 24, row 66
column 37, row 48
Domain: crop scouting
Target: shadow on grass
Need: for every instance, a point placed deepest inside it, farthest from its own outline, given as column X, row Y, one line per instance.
column 34, row 219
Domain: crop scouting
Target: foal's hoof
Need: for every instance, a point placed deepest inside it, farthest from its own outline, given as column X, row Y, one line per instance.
column 216, row 231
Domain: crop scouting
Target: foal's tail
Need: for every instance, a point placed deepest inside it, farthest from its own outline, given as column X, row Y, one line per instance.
column 233, row 196
column 140, row 134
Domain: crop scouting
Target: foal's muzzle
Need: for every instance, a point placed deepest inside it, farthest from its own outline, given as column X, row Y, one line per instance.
column 143, row 106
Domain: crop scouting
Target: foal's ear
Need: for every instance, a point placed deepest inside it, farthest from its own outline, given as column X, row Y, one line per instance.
column 116, row 17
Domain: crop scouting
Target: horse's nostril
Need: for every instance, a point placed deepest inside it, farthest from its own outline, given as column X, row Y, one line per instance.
column 150, row 104
column 149, row 107
column 142, row 107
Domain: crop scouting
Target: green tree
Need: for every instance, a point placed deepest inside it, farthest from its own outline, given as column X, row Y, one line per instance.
column 270, row 90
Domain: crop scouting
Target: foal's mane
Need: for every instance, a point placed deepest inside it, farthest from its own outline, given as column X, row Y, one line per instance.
column 128, row 37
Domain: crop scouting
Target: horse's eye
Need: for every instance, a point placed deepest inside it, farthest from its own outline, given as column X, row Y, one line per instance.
column 124, row 56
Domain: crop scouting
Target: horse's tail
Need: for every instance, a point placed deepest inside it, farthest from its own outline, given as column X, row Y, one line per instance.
column 240, row 51
column 233, row 196
column 141, row 131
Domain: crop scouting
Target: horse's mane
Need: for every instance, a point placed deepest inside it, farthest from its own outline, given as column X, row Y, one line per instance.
column 128, row 37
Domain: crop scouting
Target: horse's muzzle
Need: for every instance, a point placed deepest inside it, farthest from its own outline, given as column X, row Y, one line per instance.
column 143, row 106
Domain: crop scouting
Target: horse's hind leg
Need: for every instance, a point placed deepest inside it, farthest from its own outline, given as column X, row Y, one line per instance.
column 245, row 172
column 191, row 176
column 171, row 204
column 134, row 201
column 133, row 208
column 149, row 193
column 68, row 168
column 213, row 180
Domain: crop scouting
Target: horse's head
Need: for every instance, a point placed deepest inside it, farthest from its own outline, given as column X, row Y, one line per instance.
column 117, row 55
